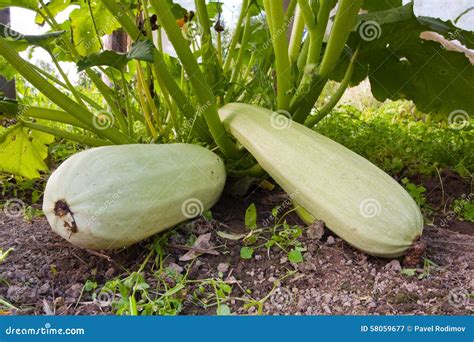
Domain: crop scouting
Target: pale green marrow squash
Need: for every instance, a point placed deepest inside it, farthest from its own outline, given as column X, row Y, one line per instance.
column 114, row 196
column 356, row 200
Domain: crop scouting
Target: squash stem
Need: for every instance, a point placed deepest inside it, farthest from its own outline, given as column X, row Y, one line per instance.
column 201, row 88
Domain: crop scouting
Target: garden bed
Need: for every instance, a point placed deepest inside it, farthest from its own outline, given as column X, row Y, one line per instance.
column 46, row 275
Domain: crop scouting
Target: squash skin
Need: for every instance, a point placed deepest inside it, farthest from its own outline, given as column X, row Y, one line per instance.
column 357, row 201
column 114, row 196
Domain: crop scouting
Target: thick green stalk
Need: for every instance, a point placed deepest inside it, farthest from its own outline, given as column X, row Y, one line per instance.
column 209, row 55
column 52, row 115
column 336, row 97
column 344, row 22
column 63, row 101
column 322, row 22
column 80, row 138
column 70, row 87
column 87, row 99
column 201, row 88
column 296, row 35
column 280, row 47
column 106, row 92
column 290, row 10
column 163, row 75
column 236, row 72
column 236, row 36
column 316, row 35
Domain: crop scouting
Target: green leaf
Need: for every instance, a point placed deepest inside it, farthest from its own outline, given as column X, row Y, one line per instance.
column 108, row 58
column 40, row 40
column 22, row 151
column 251, row 217
column 401, row 65
column 142, row 50
column 30, row 4
column 54, row 7
column 379, row 5
column 87, row 27
column 409, row 272
column 246, row 252
column 295, row 256
column 223, row 310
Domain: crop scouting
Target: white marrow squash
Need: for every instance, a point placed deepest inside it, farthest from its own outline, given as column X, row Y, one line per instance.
column 111, row 197
column 357, row 201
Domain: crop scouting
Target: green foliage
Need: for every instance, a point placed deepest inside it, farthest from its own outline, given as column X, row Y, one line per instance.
column 141, row 50
column 251, row 217
column 464, row 208
column 395, row 138
column 246, row 252
column 428, row 267
column 23, row 151
column 401, row 65
column 415, row 191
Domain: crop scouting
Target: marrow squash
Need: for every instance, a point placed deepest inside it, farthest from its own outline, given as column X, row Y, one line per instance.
column 356, row 200
column 111, row 197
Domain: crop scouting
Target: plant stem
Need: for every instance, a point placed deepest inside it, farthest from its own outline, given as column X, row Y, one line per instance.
column 201, row 88
column 312, row 121
column 163, row 75
column 344, row 22
column 296, row 35
column 63, row 101
column 280, row 47
column 236, row 36
column 80, row 138
column 52, row 115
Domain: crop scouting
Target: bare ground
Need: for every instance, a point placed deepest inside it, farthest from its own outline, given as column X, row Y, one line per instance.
column 45, row 274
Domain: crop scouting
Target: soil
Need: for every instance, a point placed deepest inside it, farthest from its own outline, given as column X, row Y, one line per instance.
column 45, row 274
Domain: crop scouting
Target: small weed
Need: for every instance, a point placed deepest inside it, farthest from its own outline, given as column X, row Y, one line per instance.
column 415, row 191
column 464, row 208
column 428, row 265
column 4, row 255
column 280, row 234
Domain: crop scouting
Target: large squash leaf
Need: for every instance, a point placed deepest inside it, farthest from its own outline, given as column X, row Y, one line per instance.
column 22, row 151
column 30, row 4
column 88, row 26
column 402, row 65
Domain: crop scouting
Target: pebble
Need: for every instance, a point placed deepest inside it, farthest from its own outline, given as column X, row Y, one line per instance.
column 175, row 268
column 327, row 309
column 283, row 259
column 372, row 305
column 223, row 267
column 44, row 288
column 330, row 240
column 394, row 266
column 258, row 257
